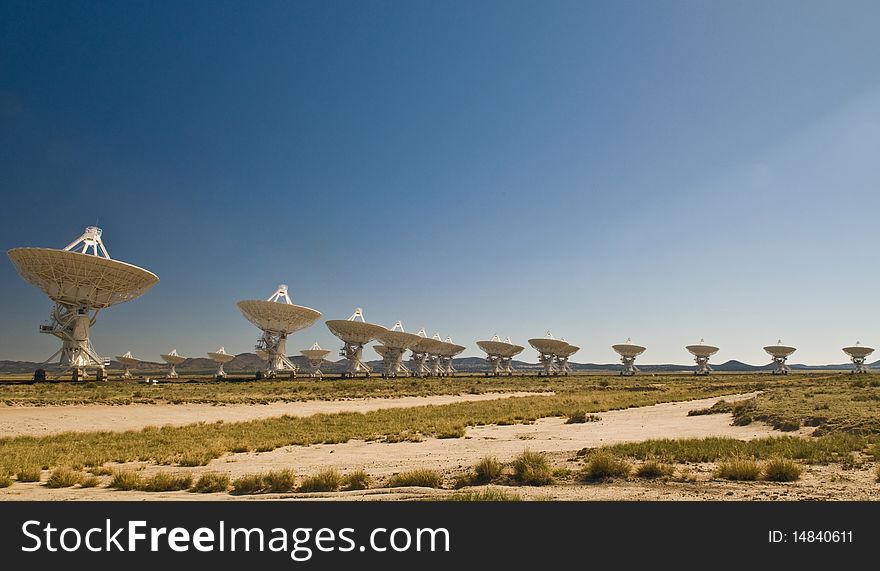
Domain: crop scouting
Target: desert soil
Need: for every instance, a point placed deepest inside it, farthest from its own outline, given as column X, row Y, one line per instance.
column 45, row 420
column 560, row 441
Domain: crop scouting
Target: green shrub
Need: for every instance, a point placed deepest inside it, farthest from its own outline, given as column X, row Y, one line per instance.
column 64, row 478
column 744, row 470
column 653, row 469
column 424, row 478
column 603, row 466
column 357, row 480
column 531, row 469
column 125, row 480
column 327, row 480
column 487, row 470
column 211, row 482
column 782, row 470
column 166, row 482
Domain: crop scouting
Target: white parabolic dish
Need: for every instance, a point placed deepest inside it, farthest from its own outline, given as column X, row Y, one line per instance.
column 499, row 348
column 354, row 332
column 450, row 349
column 315, row 353
column 220, row 357
column 701, row 350
column 173, row 359
column 568, row 351
column 547, row 345
column 128, row 360
column 273, row 317
column 858, row 351
column 779, row 351
column 628, row 350
column 78, row 279
column 398, row 339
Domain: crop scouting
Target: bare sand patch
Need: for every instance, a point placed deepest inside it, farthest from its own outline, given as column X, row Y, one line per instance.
column 42, row 421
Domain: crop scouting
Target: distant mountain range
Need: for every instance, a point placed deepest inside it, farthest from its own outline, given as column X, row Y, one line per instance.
column 249, row 363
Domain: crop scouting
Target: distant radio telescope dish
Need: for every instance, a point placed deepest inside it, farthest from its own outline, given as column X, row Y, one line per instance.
column 780, row 354
column 858, row 353
column 396, row 342
column 628, row 353
column 277, row 317
column 500, row 354
column 562, row 357
column 127, row 362
column 355, row 332
column 221, row 357
column 315, row 356
column 447, row 354
column 701, row 353
column 173, row 359
column 421, row 353
column 81, row 280
column 548, row 349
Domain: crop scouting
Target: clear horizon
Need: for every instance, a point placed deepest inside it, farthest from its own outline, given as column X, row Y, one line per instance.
column 661, row 171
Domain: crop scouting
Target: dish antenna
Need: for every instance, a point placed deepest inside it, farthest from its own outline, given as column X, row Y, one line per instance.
column 173, row 359
column 81, row 284
column 221, row 357
column 858, row 353
column 448, row 351
column 500, row 354
column 355, row 332
column 315, row 355
column 420, row 354
column 127, row 362
column 701, row 353
column 395, row 343
column 548, row 349
column 628, row 353
column 277, row 317
column 562, row 357
column 780, row 354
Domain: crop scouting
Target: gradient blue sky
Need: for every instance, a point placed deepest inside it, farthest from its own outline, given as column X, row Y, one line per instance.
column 661, row 170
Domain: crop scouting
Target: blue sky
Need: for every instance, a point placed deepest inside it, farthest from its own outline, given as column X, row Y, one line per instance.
column 664, row 171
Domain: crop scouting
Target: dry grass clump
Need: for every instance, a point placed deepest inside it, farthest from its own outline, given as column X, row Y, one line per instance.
column 274, row 482
column 531, row 469
column 424, row 478
column 248, row 484
column 29, row 474
column 877, row 474
column 580, row 417
column 488, row 495
column 5, row 481
column 64, row 478
column 125, row 480
column 357, row 480
column 739, row 469
column 605, row 466
column 165, row 482
column 327, row 480
column 487, row 470
column 782, row 470
column 211, row 482
column 653, row 469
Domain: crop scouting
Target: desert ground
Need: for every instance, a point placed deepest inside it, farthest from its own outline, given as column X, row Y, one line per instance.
column 624, row 411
